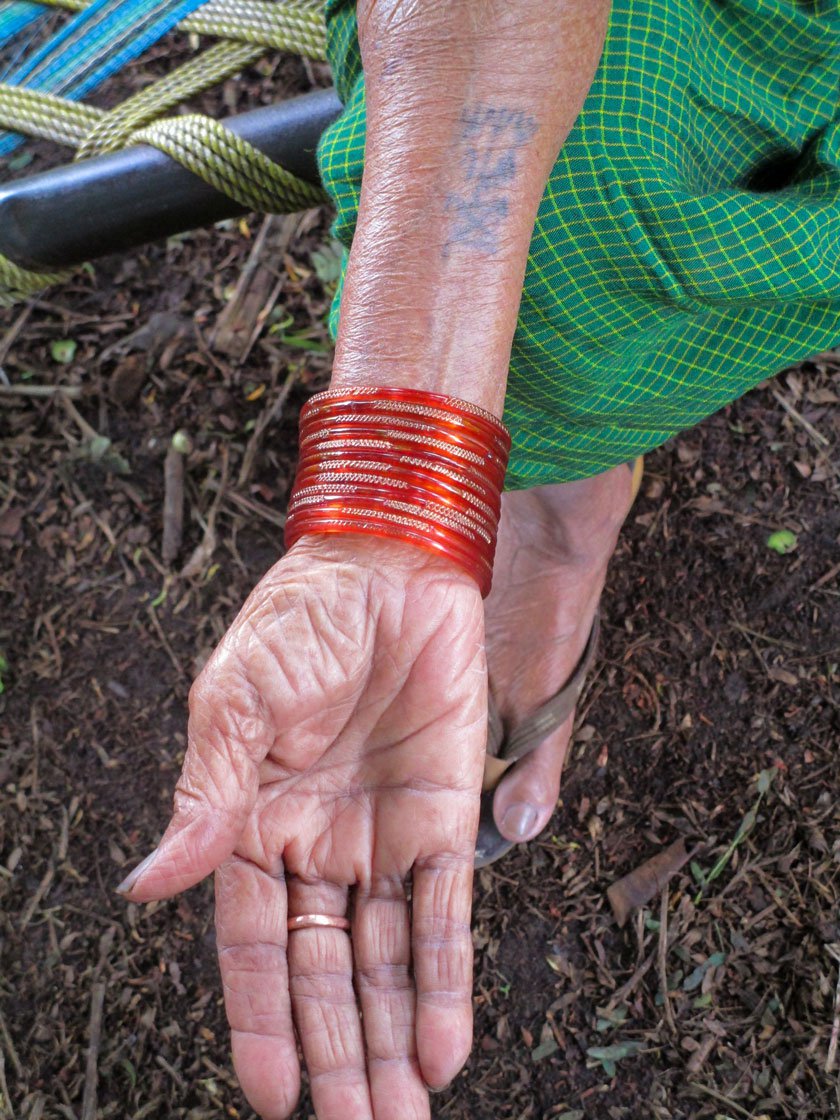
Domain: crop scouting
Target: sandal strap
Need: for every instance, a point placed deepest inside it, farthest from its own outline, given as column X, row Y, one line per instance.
column 536, row 727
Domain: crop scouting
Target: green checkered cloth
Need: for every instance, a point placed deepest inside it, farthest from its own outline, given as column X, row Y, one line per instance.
column 688, row 242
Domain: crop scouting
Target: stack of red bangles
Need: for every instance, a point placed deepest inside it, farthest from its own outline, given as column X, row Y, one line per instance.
column 402, row 463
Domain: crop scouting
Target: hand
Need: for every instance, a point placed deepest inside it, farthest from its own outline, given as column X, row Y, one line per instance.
column 336, row 742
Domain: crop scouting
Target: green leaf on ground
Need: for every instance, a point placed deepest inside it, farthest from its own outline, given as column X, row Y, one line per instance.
column 763, row 782
column 698, row 873
column 63, row 350
column 306, row 339
column 4, row 668
column 327, row 262
column 615, row 1052
column 696, row 978
column 609, row 1020
column 609, row 1055
column 782, row 541
column 765, row 779
column 99, row 450
column 544, row 1050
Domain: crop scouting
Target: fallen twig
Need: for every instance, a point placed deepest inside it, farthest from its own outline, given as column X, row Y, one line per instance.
column 164, row 641
column 173, row 497
column 818, row 438
column 701, row 1055
column 97, row 1002
column 630, row 985
column 268, row 416
column 662, row 957
column 71, row 391
column 12, row 333
column 204, row 551
column 831, row 1060
column 87, row 431
column 825, row 578
column 173, row 1073
column 9, row 1047
column 252, row 506
column 37, row 898
column 257, row 290
column 6, row 1111
column 715, row 1095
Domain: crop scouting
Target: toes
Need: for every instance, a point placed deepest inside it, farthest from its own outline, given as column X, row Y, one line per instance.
column 528, row 793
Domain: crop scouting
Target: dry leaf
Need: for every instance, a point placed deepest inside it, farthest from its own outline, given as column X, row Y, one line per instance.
column 640, row 886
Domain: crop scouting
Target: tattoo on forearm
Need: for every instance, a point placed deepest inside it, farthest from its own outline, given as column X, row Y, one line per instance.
column 493, row 138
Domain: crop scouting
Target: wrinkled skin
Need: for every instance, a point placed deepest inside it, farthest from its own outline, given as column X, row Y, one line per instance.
column 336, row 736
column 336, row 743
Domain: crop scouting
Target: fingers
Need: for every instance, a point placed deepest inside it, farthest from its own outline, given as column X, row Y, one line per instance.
column 442, row 951
column 251, row 938
column 527, row 794
column 216, row 791
column 382, row 954
column 190, row 850
column 325, row 1009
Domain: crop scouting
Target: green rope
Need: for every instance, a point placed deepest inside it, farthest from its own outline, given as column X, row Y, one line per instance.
column 46, row 116
column 18, row 283
column 114, row 129
column 217, row 155
column 201, row 144
column 230, row 164
column 293, row 25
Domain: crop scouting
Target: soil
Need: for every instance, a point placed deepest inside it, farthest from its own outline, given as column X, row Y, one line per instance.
column 714, row 715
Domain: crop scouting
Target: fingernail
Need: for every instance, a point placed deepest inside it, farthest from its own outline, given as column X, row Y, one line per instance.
column 519, row 820
column 131, row 879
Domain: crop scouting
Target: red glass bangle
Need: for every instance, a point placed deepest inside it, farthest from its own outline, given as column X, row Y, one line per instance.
column 406, row 464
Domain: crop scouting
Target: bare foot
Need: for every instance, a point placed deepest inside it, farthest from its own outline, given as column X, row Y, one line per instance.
column 551, row 561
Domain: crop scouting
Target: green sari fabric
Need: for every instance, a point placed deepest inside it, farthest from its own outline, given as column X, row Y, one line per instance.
column 688, row 241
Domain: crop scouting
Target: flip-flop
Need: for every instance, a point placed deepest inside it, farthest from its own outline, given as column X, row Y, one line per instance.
column 505, row 748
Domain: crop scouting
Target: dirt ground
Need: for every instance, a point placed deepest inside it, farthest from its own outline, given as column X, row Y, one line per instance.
column 714, row 715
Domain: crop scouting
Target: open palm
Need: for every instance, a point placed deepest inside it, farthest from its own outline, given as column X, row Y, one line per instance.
column 335, row 752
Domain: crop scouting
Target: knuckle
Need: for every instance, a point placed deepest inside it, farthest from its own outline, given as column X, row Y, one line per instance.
column 324, row 986
column 253, row 958
column 440, row 930
column 390, row 979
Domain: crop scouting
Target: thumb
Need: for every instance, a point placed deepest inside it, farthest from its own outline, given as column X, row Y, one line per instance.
column 214, row 797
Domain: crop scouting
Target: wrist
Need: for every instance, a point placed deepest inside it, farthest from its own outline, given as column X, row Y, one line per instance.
column 388, row 558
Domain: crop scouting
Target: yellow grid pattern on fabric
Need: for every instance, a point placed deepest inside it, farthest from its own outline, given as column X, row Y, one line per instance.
column 664, row 277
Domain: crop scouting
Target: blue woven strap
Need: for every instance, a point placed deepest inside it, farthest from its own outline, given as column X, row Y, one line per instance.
column 92, row 46
column 15, row 15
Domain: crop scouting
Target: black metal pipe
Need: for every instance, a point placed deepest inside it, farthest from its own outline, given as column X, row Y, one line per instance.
column 111, row 203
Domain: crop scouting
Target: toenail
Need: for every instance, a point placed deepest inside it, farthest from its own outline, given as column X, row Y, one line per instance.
column 519, row 820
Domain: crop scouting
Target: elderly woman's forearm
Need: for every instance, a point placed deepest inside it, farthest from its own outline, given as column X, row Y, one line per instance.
column 468, row 104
